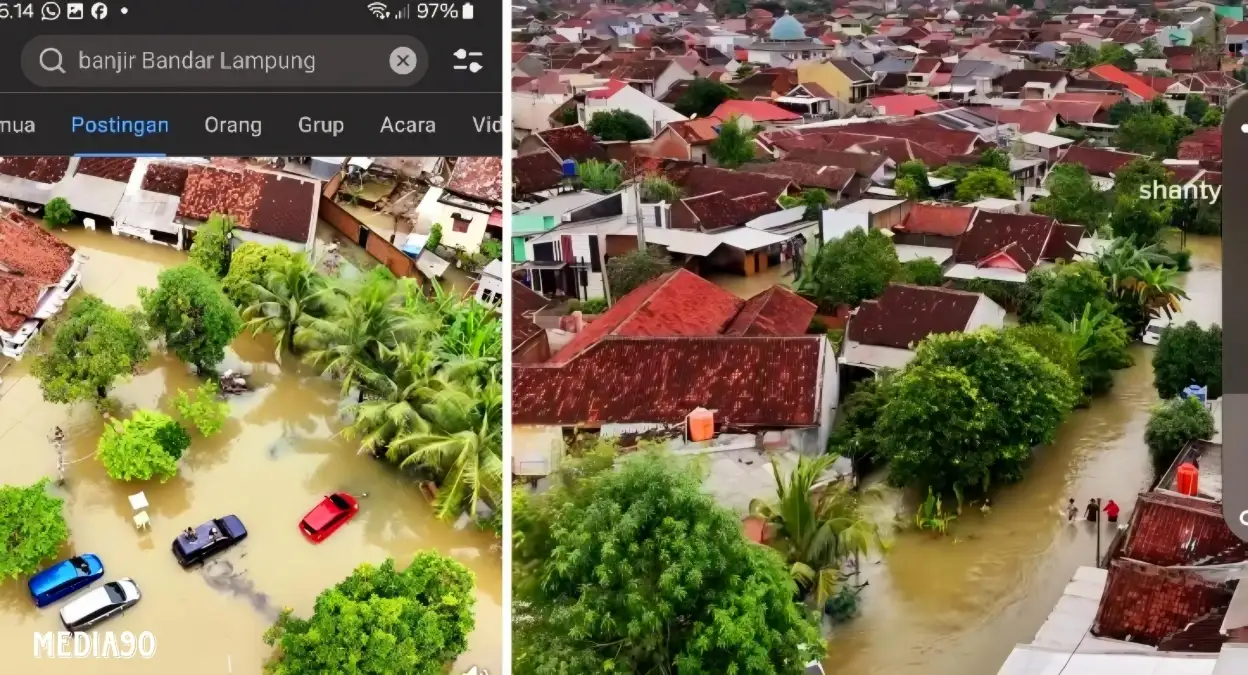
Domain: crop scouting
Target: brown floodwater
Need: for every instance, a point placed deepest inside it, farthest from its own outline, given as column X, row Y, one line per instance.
column 957, row 605
column 275, row 459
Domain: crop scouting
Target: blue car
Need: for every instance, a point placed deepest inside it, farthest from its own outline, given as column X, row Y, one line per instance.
column 65, row 578
column 196, row 545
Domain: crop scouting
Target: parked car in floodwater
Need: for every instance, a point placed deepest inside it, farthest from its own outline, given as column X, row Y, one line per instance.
column 103, row 603
column 332, row 513
column 194, row 546
column 1152, row 332
column 65, row 578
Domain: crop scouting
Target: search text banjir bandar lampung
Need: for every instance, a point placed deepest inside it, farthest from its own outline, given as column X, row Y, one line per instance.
column 120, row 62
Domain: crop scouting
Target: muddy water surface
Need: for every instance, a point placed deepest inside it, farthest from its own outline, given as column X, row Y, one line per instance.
column 958, row 605
column 276, row 457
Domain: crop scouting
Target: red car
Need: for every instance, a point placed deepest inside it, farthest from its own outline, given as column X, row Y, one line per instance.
column 328, row 516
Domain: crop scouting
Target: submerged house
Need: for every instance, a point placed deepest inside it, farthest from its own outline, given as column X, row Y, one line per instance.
column 1006, row 246
column 38, row 274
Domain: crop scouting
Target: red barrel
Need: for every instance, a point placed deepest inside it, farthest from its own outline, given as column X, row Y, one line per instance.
column 1188, row 479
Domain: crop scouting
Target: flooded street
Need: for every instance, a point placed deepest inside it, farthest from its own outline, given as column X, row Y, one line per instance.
column 277, row 456
column 957, row 605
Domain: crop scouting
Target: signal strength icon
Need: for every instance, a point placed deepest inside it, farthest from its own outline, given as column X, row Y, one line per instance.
column 379, row 10
column 405, row 13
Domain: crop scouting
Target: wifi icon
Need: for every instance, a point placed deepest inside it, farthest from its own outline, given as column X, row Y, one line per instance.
column 379, row 10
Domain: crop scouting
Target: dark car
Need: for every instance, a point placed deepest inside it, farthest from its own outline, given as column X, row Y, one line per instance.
column 195, row 546
column 65, row 578
column 332, row 513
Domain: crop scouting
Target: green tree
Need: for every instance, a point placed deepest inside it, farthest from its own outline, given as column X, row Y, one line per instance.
column 618, row 125
column 249, row 265
column 854, row 435
column 702, row 97
column 1194, row 108
column 1073, row 287
column 1072, row 197
column 1081, row 55
column 34, row 528
column 93, row 346
column 987, row 182
column 492, row 249
column 906, row 188
column 380, row 621
column 1152, row 133
column 58, row 212
column 626, row 273
column 922, row 272
column 850, row 269
column 1174, row 424
column 1138, row 173
column 190, row 312
column 817, row 528
column 435, row 238
column 734, row 146
column 995, row 158
column 285, row 299
column 212, row 245
column 1116, row 55
column 915, row 171
column 969, row 408
column 744, row 70
column 1149, row 49
column 146, row 446
column 814, row 199
column 1073, row 133
column 1188, row 354
column 1137, row 219
column 203, row 409
column 1211, row 118
column 639, row 571
column 1101, row 340
column 1053, row 345
column 657, row 188
column 599, row 176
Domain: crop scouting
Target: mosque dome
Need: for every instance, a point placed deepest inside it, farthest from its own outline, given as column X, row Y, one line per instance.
column 787, row 28
column 952, row 15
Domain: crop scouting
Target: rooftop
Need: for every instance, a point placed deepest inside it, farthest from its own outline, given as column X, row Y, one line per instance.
column 31, row 260
column 572, row 142
column 936, row 219
column 479, row 178
column 776, row 311
column 905, row 314
column 1022, row 238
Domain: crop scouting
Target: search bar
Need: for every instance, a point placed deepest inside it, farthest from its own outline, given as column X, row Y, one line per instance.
column 193, row 61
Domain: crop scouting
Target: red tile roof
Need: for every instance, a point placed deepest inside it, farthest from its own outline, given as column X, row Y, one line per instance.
column 713, row 211
column 275, row 205
column 678, row 303
column 805, row 175
column 777, row 312
column 535, row 172
column 168, row 179
column 572, row 142
column 1205, row 144
column 1022, row 238
column 607, row 91
column 864, row 164
column 113, row 168
column 1133, row 84
column 936, row 219
column 757, row 111
column 1146, row 603
column 479, row 178
column 286, row 208
column 1098, row 161
column 31, row 260
column 37, row 169
column 904, row 315
column 699, row 131
column 1172, row 530
column 745, row 380
column 211, row 190
column 700, row 180
column 906, row 105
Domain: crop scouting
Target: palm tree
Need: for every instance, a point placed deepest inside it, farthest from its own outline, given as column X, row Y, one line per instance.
column 1122, row 259
column 408, row 378
column 287, row 297
column 817, row 527
column 459, row 438
column 1155, row 290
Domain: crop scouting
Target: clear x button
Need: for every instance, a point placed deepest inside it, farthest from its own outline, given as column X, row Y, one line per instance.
column 403, row 60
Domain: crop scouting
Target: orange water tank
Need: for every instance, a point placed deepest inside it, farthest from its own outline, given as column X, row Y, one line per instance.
column 1188, row 479
column 701, row 425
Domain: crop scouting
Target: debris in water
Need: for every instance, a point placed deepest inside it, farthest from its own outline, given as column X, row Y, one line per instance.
column 222, row 576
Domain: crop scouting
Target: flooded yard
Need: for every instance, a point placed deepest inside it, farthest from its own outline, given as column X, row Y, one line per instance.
column 278, row 455
column 957, row 605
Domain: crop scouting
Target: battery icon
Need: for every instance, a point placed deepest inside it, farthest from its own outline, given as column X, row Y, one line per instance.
column 466, row 11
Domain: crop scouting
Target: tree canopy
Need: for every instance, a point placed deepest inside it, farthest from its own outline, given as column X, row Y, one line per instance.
column 598, row 176
column 145, row 446
column 1137, row 219
column 191, row 313
column 1186, row 355
column 58, row 212
column 735, row 145
column 1153, row 133
column 251, row 264
column 848, row 270
column 985, row 182
column 34, row 528
column 638, row 570
column 203, row 409
column 702, row 97
column 618, row 125
column 212, row 246
column 1173, row 425
column 922, row 272
column 380, row 621
column 969, row 408
column 93, row 346
column 1072, row 197
column 626, row 273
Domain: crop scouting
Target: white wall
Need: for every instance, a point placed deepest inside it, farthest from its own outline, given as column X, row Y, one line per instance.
column 631, row 100
column 837, row 224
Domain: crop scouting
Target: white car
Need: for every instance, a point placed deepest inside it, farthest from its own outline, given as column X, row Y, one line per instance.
column 1152, row 333
column 105, row 602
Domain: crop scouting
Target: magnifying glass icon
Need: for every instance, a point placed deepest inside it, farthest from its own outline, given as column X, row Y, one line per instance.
column 52, row 60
